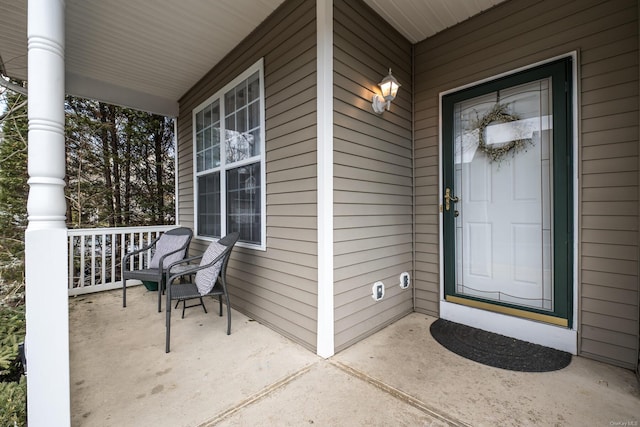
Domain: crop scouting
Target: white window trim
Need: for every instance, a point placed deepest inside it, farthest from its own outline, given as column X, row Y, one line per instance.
column 258, row 66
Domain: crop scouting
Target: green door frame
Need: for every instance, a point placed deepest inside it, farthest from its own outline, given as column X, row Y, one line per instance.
column 561, row 75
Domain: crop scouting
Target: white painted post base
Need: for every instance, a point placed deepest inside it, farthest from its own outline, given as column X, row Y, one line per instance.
column 47, row 341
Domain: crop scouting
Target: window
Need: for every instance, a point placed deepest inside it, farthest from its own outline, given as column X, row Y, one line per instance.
column 229, row 158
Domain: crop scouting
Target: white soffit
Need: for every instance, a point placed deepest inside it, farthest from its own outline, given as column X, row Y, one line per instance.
column 147, row 54
column 139, row 53
column 160, row 48
column 420, row 19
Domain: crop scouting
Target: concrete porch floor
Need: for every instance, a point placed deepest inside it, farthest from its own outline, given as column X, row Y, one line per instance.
column 121, row 376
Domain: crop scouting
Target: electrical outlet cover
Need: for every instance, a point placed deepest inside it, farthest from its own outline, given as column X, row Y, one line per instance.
column 405, row 280
column 377, row 291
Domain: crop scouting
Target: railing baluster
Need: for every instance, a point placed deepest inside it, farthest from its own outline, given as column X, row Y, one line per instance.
column 140, row 245
column 92, row 279
column 123, row 242
column 114, row 256
column 103, row 267
column 149, row 239
column 81, row 279
column 70, row 284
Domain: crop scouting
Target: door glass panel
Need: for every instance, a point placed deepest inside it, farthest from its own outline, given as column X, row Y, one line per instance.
column 502, row 178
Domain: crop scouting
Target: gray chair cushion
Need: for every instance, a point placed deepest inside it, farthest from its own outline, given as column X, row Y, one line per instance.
column 206, row 278
column 166, row 244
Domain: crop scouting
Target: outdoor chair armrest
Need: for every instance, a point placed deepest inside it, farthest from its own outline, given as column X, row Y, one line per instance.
column 183, row 261
column 187, row 261
column 142, row 249
column 171, row 277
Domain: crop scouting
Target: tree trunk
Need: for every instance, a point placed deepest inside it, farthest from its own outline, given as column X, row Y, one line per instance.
column 127, row 182
column 107, row 160
column 159, row 170
column 116, row 164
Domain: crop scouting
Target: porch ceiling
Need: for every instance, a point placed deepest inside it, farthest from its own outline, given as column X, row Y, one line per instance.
column 418, row 20
column 128, row 53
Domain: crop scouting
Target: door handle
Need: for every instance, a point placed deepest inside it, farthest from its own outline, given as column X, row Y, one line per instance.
column 448, row 198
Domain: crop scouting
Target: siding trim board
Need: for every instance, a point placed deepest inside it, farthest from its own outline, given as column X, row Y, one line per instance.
column 324, row 99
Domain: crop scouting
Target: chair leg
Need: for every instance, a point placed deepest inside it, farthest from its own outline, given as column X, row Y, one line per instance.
column 160, row 295
column 185, row 306
column 228, row 313
column 124, row 291
column 168, row 324
column 220, row 301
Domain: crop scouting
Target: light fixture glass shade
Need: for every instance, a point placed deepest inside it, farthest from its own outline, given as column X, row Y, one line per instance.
column 389, row 88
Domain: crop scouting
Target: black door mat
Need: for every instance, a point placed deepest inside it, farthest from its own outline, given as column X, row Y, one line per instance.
column 497, row 350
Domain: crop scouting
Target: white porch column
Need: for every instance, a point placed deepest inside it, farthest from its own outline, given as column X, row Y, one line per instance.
column 324, row 26
column 47, row 342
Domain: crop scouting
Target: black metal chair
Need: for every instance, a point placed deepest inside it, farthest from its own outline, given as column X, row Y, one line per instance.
column 209, row 277
column 166, row 250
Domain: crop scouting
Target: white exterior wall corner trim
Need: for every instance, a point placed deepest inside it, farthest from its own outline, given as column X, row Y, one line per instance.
column 47, row 310
column 324, row 34
column 176, row 198
column 529, row 330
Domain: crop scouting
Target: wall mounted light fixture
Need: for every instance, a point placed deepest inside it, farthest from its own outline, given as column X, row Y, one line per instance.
column 389, row 88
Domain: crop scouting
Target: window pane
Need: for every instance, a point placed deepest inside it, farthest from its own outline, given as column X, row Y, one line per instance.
column 254, row 86
column 241, row 94
column 254, row 138
column 215, row 113
column 207, row 138
column 216, row 147
column 208, row 159
column 243, row 202
column 207, row 117
column 200, row 120
column 254, row 115
column 200, row 162
column 230, row 123
column 199, row 143
column 229, row 102
column 209, row 205
column 241, row 120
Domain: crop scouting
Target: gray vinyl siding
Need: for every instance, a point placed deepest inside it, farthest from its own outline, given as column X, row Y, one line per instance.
column 373, row 196
column 278, row 286
column 518, row 33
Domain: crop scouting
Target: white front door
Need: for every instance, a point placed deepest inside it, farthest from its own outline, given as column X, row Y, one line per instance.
column 503, row 228
column 507, row 195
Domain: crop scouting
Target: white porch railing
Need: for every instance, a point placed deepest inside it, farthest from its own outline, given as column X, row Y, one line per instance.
column 95, row 255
